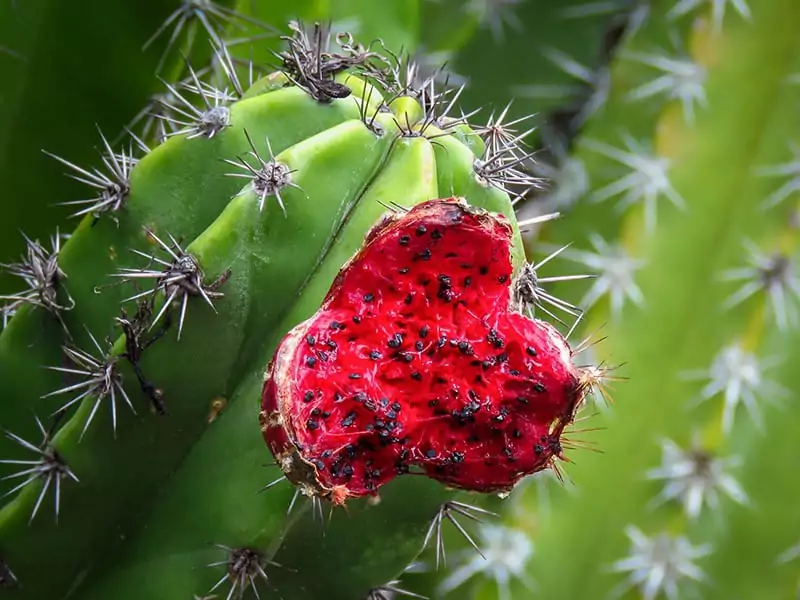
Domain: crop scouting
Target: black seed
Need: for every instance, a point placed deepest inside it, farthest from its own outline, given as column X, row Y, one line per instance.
column 337, row 396
column 516, row 433
column 494, row 339
column 442, row 341
column 335, row 325
column 539, row 388
column 311, row 361
column 404, row 239
column 403, row 271
column 538, row 448
column 326, row 453
column 409, row 299
column 370, row 405
column 466, row 348
column 351, row 452
column 347, row 471
column 384, row 433
column 311, row 340
column 440, row 379
column 391, row 414
column 325, row 414
column 312, row 425
column 370, row 427
column 379, row 423
column 467, row 413
column 502, row 278
column 419, row 346
column 445, row 288
column 433, row 403
column 395, row 341
column 451, row 255
column 320, row 465
column 349, row 419
column 406, row 356
column 431, row 453
column 457, row 457
column 374, row 354
column 502, row 416
column 332, row 345
column 422, row 230
column 360, row 397
column 391, row 425
column 423, row 332
column 323, row 356
column 436, row 234
column 316, row 412
column 514, row 373
column 483, row 270
column 425, row 254
column 396, row 406
column 368, row 297
column 416, row 376
column 467, row 281
column 487, row 364
column 354, row 376
column 356, row 319
column 531, row 351
column 308, row 396
column 502, row 357
column 522, row 399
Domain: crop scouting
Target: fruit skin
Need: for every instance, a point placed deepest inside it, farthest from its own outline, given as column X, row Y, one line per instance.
column 529, row 389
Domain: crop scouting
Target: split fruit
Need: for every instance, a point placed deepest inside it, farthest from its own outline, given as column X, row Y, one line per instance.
column 415, row 363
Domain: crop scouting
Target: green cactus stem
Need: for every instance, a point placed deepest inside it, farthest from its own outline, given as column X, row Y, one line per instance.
column 215, row 243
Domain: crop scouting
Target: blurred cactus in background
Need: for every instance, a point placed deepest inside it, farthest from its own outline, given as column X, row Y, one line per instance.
column 230, row 157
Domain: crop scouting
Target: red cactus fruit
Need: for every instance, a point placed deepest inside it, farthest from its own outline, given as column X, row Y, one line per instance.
column 414, row 361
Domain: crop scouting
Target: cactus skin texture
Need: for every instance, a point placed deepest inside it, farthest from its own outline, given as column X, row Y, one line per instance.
column 159, row 313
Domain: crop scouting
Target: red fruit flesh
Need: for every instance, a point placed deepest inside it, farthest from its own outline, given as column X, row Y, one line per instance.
column 415, row 362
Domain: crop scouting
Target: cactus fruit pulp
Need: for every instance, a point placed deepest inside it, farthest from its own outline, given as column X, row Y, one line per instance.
column 414, row 360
